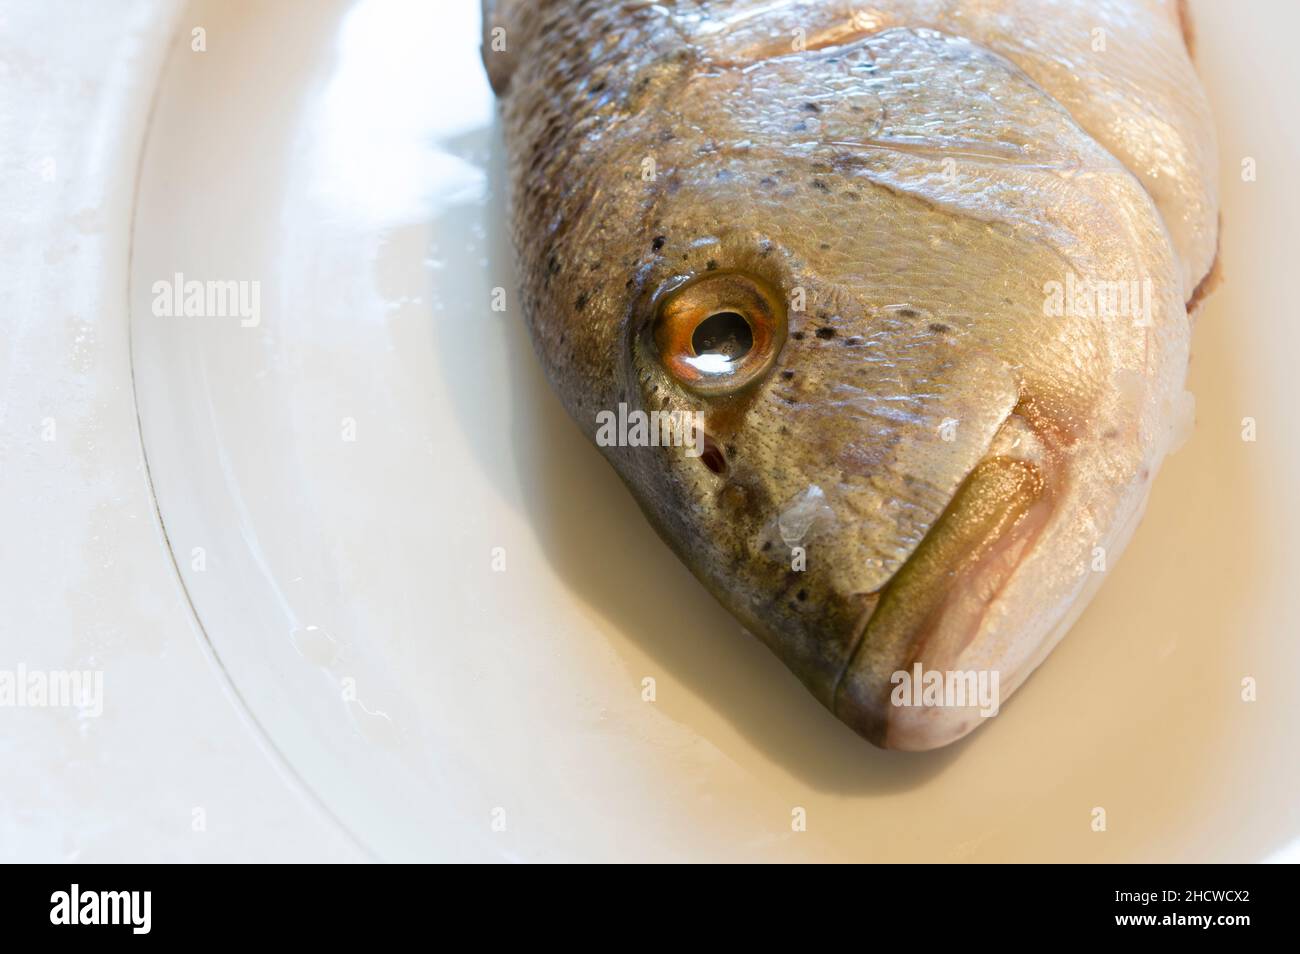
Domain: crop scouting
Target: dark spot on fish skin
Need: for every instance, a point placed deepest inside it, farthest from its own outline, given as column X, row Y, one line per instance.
column 812, row 107
column 745, row 500
column 767, row 182
column 939, row 328
column 787, row 375
column 732, row 497
column 852, row 342
column 658, row 243
column 848, row 161
column 711, row 265
column 552, row 265
column 908, row 313
column 825, row 333
column 580, row 302
column 820, row 186
column 801, row 126
column 731, row 449
column 598, row 87
column 797, row 335
column 822, row 167
column 785, row 431
column 801, row 595
column 824, row 246
column 850, row 195
column 767, row 545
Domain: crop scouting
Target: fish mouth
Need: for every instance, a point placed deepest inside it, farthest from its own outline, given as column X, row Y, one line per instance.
column 931, row 620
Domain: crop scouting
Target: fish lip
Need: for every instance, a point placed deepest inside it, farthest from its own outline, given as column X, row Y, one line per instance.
column 859, row 635
column 873, row 717
column 869, row 612
column 938, row 727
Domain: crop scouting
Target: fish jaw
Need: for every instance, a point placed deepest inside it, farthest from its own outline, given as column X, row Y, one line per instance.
column 1002, row 575
column 931, row 612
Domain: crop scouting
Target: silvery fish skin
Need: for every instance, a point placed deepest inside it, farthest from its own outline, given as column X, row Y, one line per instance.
column 922, row 269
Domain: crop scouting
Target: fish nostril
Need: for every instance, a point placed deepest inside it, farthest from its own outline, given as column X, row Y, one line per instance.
column 712, row 457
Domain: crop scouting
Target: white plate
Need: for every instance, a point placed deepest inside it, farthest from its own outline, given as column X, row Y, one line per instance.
column 336, row 481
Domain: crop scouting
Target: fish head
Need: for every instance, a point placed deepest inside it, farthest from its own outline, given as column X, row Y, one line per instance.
column 909, row 439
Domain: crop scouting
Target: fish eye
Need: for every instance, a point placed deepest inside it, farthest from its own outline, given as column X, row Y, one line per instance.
column 720, row 333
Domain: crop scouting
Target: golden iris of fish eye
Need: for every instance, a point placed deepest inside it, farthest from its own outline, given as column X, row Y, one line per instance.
column 723, row 300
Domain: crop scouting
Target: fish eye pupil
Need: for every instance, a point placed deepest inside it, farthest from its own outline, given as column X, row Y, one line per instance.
column 725, row 333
